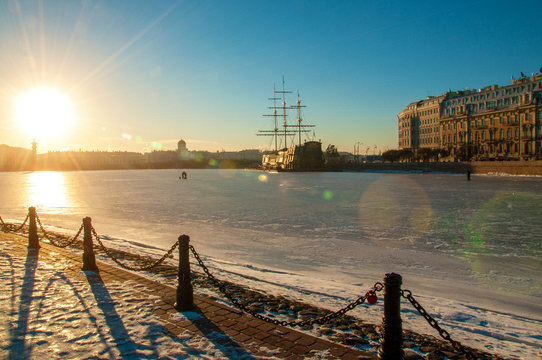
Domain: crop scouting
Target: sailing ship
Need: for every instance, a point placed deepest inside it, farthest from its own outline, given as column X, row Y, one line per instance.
column 303, row 156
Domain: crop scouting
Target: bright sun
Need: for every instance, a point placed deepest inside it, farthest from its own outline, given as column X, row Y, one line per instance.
column 44, row 113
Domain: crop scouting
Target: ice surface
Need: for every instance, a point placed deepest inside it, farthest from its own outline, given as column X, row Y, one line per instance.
column 471, row 252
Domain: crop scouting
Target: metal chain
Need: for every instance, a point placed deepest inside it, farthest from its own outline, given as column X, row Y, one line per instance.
column 407, row 294
column 45, row 233
column 70, row 242
column 47, row 236
column 7, row 227
column 23, row 224
column 133, row 268
column 321, row 320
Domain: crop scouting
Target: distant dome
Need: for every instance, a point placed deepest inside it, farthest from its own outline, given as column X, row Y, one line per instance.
column 181, row 146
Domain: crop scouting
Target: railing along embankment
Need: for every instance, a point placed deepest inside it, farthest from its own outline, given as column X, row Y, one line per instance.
column 391, row 339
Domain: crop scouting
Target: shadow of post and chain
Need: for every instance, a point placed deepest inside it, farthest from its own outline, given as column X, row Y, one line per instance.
column 19, row 348
column 31, row 304
column 229, row 347
column 20, row 344
column 105, row 303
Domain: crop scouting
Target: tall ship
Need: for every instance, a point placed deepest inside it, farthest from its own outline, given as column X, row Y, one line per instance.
column 293, row 155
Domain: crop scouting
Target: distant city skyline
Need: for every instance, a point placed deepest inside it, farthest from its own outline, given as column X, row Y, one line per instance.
column 141, row 75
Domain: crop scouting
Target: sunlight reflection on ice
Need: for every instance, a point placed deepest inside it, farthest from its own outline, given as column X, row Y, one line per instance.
column 47, row 191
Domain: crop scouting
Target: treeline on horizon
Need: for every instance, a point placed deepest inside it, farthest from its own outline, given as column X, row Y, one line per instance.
column 19, row 159
column 411, row 155
column 25, row 165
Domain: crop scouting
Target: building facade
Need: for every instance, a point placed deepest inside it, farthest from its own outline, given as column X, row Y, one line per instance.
column 419, row 124
column 493, row 123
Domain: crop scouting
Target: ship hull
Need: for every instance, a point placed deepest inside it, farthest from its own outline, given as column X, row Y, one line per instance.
column 306, row 157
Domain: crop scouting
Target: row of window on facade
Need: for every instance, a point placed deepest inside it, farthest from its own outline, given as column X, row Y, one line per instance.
column 422, row 141
column 418, row 122
column 501, row 148
column 503, row 120
column 488, row 104
column 508, row 120
column 430, row 140
column 527, row 133
column 494, row 94
column 426, row 130
column 428, row 112
column 435, row 120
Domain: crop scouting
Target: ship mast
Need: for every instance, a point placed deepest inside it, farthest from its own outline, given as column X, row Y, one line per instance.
column 281, row 95
column 275, row 131
column 284, row 122
column 298, row 105
column 300, row 128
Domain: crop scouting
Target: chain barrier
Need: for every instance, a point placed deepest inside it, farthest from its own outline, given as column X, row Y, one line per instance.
column 407, row 294
column 377, row 287
column 8, row 227
column 23, row 224
column 45, row 233
column 54, row 242
column 70, row 242
column 321, row 320
column 133, row 268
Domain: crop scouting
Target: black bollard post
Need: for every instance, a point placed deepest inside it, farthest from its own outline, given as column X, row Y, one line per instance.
column 33, row 240
column 89, row 259
column 185, row 294
column 391, row 342
column 468, row 175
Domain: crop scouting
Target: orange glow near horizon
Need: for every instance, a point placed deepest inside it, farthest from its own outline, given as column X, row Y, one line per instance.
column 44, row 113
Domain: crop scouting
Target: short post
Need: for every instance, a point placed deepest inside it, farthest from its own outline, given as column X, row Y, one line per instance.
column 391, row 342
column 33, row 240
column 468, row 175
column 89, row 258
column 185, row 294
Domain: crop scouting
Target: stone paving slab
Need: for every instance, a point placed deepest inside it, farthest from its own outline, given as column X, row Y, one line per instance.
column 224, row 325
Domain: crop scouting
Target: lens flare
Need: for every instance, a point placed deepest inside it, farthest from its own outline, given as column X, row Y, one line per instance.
column 328, row 194
column 395, row 205
column 500, row 252
column 156, row 145
column 484, row 231
column 197, row 157
column 213, row 163
column 262, row 178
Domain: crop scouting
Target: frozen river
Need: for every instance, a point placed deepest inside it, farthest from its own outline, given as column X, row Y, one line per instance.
column 471, row 251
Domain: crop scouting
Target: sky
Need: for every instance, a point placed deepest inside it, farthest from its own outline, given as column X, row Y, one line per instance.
column 141, row 75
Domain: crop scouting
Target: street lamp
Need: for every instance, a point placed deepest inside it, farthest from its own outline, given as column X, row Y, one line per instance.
column 356, row 153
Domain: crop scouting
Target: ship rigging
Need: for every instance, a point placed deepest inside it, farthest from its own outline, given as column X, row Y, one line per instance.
column 287, row 129
column 301, row 157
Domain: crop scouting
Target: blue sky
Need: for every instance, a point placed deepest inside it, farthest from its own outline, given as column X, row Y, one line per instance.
column 143, row 74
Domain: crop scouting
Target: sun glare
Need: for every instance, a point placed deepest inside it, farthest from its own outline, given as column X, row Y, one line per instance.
column 44, row 113
column 47, row 191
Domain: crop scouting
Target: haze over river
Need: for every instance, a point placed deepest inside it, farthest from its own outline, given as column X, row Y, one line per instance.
column 470, row 251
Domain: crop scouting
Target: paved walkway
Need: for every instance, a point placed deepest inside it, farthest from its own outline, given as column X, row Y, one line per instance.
column 221, row 324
